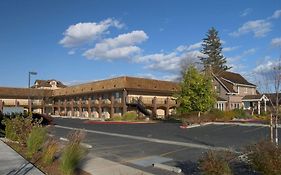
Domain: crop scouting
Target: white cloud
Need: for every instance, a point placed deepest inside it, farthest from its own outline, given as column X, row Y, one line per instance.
column 265, row 67
column 246, row 12
column 182, row 48
column 276, row 42
column 235, row 59
column 276, row 14
column 81, row 33
column 71, row 52
column 259, row 28
column 122, row 46
column 228, row 49
column 170, row 62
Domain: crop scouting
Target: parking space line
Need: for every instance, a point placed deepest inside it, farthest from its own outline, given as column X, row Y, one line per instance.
column 118, row 146
column 169, row 142
column 174, row 151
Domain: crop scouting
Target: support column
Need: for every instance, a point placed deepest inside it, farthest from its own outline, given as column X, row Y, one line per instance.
column 264, row 105
column 64, row 106
column 154, row 109
column 112, row 105
column 124, row 105
column 59, row 106
column 89, row 107
column 1, row 106
column 167, row 107
column 71, row 107
column 43, row 106
column 80, row 107
column 259, row 107
column 100, row 109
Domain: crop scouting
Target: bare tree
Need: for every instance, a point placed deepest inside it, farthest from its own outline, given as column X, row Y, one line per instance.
column 270, row 82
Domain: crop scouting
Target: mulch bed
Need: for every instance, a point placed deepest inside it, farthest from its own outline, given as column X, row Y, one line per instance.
column 52, row 169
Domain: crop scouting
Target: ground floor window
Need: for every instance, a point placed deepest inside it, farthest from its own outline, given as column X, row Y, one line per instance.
column 220, row 106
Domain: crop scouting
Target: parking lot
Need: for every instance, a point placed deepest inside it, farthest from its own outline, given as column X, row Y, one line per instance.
column 137, row 145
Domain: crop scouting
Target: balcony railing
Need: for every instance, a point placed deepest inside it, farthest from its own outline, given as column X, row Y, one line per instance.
column 95, row 101
column 106, row 101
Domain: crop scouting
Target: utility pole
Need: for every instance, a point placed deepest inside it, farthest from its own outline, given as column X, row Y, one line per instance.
column 29, row 93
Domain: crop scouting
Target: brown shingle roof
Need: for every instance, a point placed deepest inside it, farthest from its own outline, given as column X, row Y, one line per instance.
column 129, row 83
column 228, row 85
column 233, row 77
column 23, row 93
column 46, row 83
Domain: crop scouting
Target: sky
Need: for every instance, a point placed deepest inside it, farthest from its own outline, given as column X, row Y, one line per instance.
column 82, row 41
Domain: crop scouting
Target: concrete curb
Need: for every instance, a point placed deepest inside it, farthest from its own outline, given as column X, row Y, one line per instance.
column 167, row 167
column 82, row 144
column 227, row 123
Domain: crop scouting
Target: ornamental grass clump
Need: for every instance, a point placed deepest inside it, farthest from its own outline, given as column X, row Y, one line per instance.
column 72, row 153
column 36, row 140
column 215, row 163
column 265, row 157
column 49, row 151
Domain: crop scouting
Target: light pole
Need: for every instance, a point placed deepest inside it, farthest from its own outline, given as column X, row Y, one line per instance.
column 29, row 101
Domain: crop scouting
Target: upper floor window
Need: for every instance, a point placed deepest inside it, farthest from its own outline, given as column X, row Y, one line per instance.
column 246, row 90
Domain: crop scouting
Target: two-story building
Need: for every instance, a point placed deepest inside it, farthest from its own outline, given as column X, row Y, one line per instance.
column 234, row 91
column 116, row 96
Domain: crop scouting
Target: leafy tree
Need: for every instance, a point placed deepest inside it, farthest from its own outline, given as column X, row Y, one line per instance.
column 212, row 48
column 196, row 92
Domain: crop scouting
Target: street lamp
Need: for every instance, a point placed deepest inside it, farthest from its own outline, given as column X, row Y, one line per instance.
column 29, row 101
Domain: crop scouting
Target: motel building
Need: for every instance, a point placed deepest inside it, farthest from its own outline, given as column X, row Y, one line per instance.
column 114, row 97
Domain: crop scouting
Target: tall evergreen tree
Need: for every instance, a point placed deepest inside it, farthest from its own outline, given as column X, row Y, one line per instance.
column 212, row 48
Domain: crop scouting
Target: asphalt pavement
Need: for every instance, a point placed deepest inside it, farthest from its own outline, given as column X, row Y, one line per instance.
column 139, row 145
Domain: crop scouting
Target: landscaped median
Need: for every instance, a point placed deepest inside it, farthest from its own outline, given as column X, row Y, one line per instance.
column 32, row 141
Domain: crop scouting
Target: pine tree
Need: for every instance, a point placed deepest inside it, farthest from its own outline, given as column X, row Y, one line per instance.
column 212, row 48
column 196, row 92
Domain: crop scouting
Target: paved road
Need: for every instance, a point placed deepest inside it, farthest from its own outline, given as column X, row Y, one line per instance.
column 131, row 143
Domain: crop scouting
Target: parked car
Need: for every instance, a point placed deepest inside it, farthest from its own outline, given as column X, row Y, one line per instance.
column 47, row 119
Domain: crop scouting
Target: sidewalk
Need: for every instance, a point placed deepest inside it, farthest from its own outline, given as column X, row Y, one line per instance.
column 100, row 166
column 12, row 163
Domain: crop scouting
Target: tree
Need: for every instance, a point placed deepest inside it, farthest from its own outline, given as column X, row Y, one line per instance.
column 196, row 92
column 211, row 47
column 272, row 83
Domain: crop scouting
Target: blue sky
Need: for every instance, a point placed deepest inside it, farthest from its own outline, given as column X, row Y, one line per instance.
column 82, row 41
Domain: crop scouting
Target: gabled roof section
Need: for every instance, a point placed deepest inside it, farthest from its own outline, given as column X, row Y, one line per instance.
column 47, row 83
column 233, row 78
column 257, row 97
column 228, row 85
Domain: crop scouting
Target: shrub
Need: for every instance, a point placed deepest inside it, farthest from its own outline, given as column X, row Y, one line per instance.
column 265, row 157
column 49, row 151
column 216, row 113
column 215, row 163
column 72, row 153
column 10, row 130
column 115, row 118
column 130, row 116
column 240, row 113
column 35, row 140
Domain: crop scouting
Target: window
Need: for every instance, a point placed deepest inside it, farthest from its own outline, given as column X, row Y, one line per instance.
column 117, row 95
column 246, row 90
